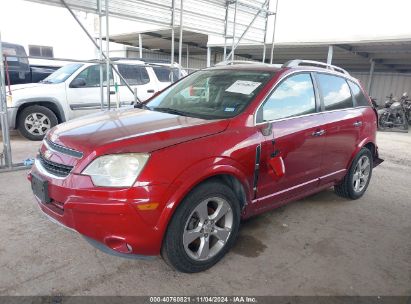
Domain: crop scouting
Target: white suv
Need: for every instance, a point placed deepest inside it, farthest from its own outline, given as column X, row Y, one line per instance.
column 74, row 91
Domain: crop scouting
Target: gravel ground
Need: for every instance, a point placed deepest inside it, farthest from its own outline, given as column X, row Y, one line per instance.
column 321, row 245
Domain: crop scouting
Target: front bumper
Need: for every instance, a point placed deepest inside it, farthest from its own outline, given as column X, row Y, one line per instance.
column 116, row 218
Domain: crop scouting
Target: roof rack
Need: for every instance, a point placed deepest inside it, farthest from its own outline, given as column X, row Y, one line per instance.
column 232, row 62
column 146, row 60
column 299, row 62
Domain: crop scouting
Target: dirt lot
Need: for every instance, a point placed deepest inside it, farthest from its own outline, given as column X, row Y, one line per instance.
column 322, row 245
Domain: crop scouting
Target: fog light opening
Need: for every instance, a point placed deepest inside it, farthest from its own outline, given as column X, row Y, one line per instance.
column 118, row 244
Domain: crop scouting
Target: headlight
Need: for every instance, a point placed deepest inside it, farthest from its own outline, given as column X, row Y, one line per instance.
column 116, row 170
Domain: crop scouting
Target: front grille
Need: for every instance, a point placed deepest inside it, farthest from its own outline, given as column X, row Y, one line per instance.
column 63, row 149
column 55, row 168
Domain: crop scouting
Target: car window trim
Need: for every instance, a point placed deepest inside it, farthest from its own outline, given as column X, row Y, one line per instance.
column 296, row 72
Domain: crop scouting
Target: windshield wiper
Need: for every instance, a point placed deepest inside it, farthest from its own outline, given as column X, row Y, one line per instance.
column 171, row 111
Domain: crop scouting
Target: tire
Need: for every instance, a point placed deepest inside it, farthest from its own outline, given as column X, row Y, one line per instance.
column 34, row 122
column 187, row 223
column 347, row 188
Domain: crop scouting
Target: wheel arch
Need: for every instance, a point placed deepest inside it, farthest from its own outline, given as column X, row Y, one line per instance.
column 227, row 173
column 52, row 105
column 368, row 143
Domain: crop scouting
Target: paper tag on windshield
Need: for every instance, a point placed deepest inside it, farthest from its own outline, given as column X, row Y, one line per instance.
column 243, row 87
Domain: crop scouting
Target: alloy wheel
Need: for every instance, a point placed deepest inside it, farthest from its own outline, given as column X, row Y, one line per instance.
column 37, row 123
column 208, row 228
column 361, row 173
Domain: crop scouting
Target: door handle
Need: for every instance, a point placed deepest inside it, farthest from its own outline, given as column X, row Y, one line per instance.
column 112, row 92
column 357, row 124
column 150, row 91
column 318, row 133
column 275, row 153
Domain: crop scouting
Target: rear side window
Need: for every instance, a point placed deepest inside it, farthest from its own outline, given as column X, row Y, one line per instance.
column 335, row 92
column 133, row 74
column 164, row 74
column 293, row 97
column 360, row 99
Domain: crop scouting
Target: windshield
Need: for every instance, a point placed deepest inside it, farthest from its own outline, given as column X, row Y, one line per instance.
column 62, row 74
column 211, row 94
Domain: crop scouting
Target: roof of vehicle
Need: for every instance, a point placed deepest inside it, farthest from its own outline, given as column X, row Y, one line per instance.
column 292, row 65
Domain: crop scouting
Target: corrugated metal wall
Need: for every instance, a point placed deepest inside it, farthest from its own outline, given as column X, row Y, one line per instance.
column 386, row 83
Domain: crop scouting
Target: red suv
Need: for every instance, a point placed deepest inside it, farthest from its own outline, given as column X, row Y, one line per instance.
column 177, row 174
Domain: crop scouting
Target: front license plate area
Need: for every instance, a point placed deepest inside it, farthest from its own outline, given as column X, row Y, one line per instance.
column 40, row 188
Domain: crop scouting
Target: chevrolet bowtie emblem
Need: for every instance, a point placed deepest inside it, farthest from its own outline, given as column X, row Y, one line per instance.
column 47, row 154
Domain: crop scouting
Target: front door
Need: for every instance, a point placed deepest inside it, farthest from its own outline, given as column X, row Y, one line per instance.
column 291, row 153
column 83, row 92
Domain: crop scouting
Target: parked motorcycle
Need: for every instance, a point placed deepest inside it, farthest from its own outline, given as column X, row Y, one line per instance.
column 374, row 103
column 395, row 114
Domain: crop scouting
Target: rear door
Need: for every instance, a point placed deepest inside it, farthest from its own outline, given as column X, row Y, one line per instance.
column 295, row 144
column 343, row 125
column 138, row 77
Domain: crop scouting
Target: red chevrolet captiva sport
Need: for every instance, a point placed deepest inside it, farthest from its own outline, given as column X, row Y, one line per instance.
column 176, row 174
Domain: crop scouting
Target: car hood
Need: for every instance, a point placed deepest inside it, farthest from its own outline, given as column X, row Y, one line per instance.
column 133, row 130
column 17, row 87
column 36, row 92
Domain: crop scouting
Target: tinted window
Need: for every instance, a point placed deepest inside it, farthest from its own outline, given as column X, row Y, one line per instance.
column 163, row 74
column 293, row 97
column 335, row 92
column 133, row 74
column 360, row 99
column 92, row 76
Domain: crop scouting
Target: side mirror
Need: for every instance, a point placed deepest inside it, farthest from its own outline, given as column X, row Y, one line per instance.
column 78, row 83
column 266, row 128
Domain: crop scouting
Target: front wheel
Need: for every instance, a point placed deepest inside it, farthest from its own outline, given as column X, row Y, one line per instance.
column 356, row 181
column 34, row 122
column 203, row 228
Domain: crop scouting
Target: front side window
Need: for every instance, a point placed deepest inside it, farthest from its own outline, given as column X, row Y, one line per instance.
column 91, row 76
column 360, row 99
column 134, row 74
column 211, row 94
column 293, row 97
column 335, row 91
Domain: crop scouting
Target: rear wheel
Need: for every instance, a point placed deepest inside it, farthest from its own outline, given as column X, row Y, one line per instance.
column 356, row 181
column 203, row 228
column 34, row 122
